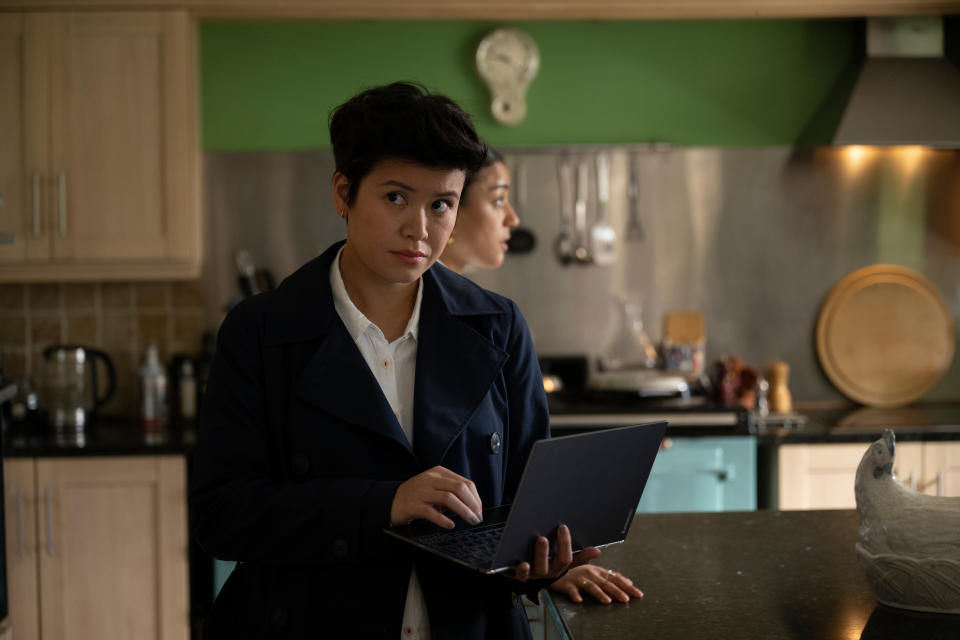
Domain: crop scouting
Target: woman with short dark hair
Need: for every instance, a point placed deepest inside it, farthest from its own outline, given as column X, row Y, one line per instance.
column 372, row 388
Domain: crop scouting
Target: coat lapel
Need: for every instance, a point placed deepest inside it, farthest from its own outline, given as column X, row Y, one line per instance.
column 336, row 378
column 455, row 368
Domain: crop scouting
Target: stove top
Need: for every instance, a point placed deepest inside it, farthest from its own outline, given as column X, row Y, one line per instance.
column 588, row 408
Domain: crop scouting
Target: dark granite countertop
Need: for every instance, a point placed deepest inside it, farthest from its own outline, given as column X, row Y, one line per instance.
column 927, row 421
column 932, row 421
column 106, row 438
column 762, row 574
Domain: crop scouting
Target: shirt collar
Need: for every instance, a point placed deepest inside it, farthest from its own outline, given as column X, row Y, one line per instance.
column 354, row 320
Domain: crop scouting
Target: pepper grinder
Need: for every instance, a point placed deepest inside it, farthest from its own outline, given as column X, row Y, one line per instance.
column 779, row 398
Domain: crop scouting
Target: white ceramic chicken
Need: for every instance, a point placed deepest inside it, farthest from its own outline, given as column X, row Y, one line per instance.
column 909, row 542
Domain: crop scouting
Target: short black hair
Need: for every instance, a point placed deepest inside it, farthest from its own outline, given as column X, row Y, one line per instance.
column 405, row 121
column 492, row 158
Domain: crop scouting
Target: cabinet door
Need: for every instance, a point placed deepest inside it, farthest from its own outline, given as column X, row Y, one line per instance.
column 123, row 139
column 24, row 72
column 20, row 529
column 821, row 476
column 941, row 468
column 702, row 474
column 113, row 563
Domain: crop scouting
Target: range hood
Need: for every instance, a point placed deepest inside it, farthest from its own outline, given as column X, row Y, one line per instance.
column 907, row 93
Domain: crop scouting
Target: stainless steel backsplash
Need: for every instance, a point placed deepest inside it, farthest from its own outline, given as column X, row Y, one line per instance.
column 753, row 238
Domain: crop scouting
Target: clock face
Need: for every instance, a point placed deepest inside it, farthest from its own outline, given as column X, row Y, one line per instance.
column 508, row 59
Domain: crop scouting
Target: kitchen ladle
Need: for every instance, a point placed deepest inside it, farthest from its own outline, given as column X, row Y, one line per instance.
column 603, row 237
column 564, row 245
column 581, row 252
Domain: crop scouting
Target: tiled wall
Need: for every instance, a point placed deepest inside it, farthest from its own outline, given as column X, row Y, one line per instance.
column 118, row 318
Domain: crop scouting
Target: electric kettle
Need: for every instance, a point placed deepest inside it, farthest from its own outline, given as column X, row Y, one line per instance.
column 69, row 390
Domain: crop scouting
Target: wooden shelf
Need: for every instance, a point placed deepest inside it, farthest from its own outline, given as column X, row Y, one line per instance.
column 512, row 9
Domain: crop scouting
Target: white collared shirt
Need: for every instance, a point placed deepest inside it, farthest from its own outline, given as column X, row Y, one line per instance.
column 394, row 366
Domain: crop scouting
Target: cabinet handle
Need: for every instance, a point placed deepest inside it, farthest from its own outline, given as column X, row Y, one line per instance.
column 21, row 551
column 48, row 510
column 36, row 204
column 726, row 473
column 62, row 200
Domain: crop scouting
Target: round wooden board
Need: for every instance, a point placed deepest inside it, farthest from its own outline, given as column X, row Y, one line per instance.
column 885, row 335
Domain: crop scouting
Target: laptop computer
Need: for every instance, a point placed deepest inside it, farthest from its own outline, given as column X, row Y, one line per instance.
column 592, row 482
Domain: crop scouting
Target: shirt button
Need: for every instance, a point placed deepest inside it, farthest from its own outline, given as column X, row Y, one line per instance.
column 386, row 364
column 408, row 631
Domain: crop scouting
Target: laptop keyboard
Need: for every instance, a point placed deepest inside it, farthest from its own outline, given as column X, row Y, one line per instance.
column 474, row 546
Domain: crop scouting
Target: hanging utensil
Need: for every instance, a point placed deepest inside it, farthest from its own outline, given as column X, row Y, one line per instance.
column 564, row 246
column 581, row 252
column 521, row 239
column 603, row 237
column 634, row 226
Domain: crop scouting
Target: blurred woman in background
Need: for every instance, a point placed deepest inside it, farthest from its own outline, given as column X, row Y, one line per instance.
column 484, row 223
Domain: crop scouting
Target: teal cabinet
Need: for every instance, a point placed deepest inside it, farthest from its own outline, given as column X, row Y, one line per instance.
column 703, row 474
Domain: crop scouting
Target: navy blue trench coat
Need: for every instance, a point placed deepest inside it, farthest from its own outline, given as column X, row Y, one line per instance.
column 299, row 457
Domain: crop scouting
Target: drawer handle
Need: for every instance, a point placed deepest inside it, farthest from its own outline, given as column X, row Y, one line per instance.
column 727, row 473
column 938, row 483
column 36, row 204
column 21, row 551
column 48, row 510
column 62, row 200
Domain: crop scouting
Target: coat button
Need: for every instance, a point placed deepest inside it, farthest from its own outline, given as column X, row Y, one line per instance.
column 495, row 442
column 340, row 549
column 279, row 618
column 300, row 464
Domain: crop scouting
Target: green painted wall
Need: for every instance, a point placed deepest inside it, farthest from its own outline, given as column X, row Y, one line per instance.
column 271, row 85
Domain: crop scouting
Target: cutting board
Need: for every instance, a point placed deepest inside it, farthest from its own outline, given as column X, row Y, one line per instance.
column 885, row 335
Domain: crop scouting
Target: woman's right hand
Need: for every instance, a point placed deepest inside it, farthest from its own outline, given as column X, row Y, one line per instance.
column 427, row 495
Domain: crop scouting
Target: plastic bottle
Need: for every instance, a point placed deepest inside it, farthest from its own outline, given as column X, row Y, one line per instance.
column 153, row 394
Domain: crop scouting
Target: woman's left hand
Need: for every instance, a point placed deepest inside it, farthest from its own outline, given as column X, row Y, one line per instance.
column 544, row 566
column 605, row 585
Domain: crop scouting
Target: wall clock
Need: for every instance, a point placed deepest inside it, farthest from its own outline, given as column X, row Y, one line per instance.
column 508, row 60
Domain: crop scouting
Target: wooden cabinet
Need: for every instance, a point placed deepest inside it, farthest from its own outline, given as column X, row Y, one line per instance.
column 941, row 468
column 97, row 547
column 19, row 515
column 821, row 476
column 101, row 178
